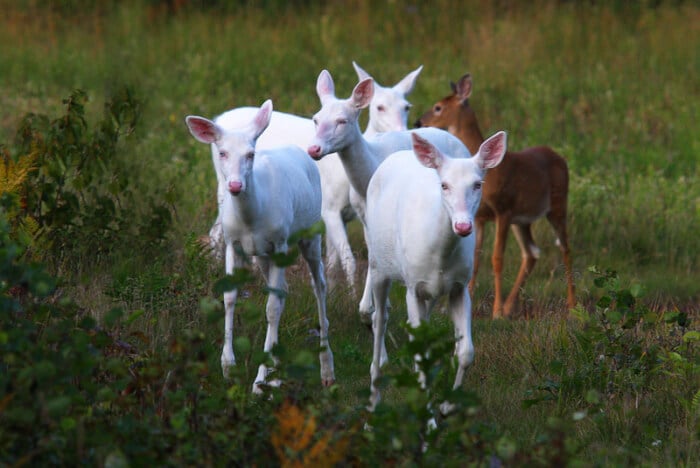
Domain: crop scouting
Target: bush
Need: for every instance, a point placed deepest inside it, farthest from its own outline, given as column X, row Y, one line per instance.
column 78, row 189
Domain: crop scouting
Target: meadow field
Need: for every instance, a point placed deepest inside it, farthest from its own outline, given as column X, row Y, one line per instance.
column 112, row 314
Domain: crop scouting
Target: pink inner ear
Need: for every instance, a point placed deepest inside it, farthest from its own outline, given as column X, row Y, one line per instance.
column 261, row 119
column 464, row 87
column 492, row 150
column 425, row 152
column 325, row 86
column 363, row 92
column 203, row 130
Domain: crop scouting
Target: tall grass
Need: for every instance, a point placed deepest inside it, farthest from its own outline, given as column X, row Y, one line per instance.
column 613, row 87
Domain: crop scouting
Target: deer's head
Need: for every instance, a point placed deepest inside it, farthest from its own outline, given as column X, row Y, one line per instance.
column 461, row 179
column 454, row 114
column 337, row 120
column 234, row 150
column 389, row 108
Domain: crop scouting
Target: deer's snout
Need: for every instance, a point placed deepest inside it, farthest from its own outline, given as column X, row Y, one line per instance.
column 314, row 151
column 235, row 187
column 463, row 229
column 418, row 124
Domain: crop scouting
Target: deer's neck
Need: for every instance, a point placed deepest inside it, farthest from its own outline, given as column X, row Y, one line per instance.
column 467, row 130
column 360, row 163
column 247, row 207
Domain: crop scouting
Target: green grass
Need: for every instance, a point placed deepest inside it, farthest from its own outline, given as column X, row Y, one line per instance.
column 613, row 88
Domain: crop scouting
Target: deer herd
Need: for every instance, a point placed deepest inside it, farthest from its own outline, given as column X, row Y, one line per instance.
column 423, row 197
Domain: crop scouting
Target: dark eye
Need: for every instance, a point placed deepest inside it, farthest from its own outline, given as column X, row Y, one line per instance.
column 249, row 156
column 381, row 108
column 478, row 185
column 407, row 108
column 223, row 154
column 315, row 120
column 444, row 186
column 341, row 121
column 437, row 108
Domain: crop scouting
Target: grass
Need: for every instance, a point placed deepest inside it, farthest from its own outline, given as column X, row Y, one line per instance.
column 613, row 87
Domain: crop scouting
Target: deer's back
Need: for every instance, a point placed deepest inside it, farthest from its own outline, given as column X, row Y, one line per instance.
column 410, row 236
column 523, row 185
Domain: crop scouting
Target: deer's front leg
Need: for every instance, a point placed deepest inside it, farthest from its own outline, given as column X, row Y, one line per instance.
column 273, row 311
column 228, row 359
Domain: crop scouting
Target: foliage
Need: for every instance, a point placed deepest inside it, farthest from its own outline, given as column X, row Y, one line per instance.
column 79, row 189
column 611, row 366
column 131, row 336
column 75, row 392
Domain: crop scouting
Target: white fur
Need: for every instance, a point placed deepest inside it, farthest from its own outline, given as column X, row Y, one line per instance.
column 338, row 130
column 265, row 196
column 389, row 108
column 336, row 207
column 420, row 216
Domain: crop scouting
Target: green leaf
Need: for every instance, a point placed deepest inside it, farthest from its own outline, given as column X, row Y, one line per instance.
column 242, row 344
column 134, row 316
column 691, row 336
column 111, row 317
column 593, row 397
column 285, row 259
column 58, row 406
column 239, row 277
column 579, row 313
column 637, row 290
column 613, row 316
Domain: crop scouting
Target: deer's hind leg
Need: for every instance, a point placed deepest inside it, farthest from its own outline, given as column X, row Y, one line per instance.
column 530, row 253
column 311, row 251
column 558, row 221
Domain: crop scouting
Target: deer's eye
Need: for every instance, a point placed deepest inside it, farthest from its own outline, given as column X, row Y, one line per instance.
column 315, row 120
column 381, row 108
column 407, row 108
column 223, row 154
column 444, row 187
column 249, row 156
column 341, row 121
column 478, row 185
column 437, row 108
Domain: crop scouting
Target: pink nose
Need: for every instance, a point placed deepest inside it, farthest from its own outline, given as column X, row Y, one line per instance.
column 235, row 187
column 463, row 229
column 314, row 151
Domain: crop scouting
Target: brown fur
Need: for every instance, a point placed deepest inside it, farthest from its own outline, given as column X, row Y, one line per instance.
column 526, row 186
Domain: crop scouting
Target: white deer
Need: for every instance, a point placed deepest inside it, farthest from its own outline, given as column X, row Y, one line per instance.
column 390, row 113
column 338, row 130
column 420, row 218
column 265, row 197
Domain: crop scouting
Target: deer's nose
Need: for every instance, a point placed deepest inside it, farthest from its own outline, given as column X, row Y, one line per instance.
column 463, row 229
column 235, row 187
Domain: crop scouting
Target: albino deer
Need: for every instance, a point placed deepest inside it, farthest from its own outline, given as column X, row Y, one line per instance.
column 526, row 186
column 267, row 196
column 389, row 108
column 338, row 130
column 389, row 112
column 420, row 231
column 336, row 211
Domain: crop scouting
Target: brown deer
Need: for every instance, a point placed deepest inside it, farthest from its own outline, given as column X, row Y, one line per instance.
column 526, row 186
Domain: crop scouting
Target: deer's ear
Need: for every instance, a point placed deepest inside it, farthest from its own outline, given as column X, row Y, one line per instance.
column 463, row 88
column 363, row 93
column 427, row 154
column 262, row 118
column 324, row 85
column 492, row 150
column 406, row 85
column 361, row 74
column 202, row 129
